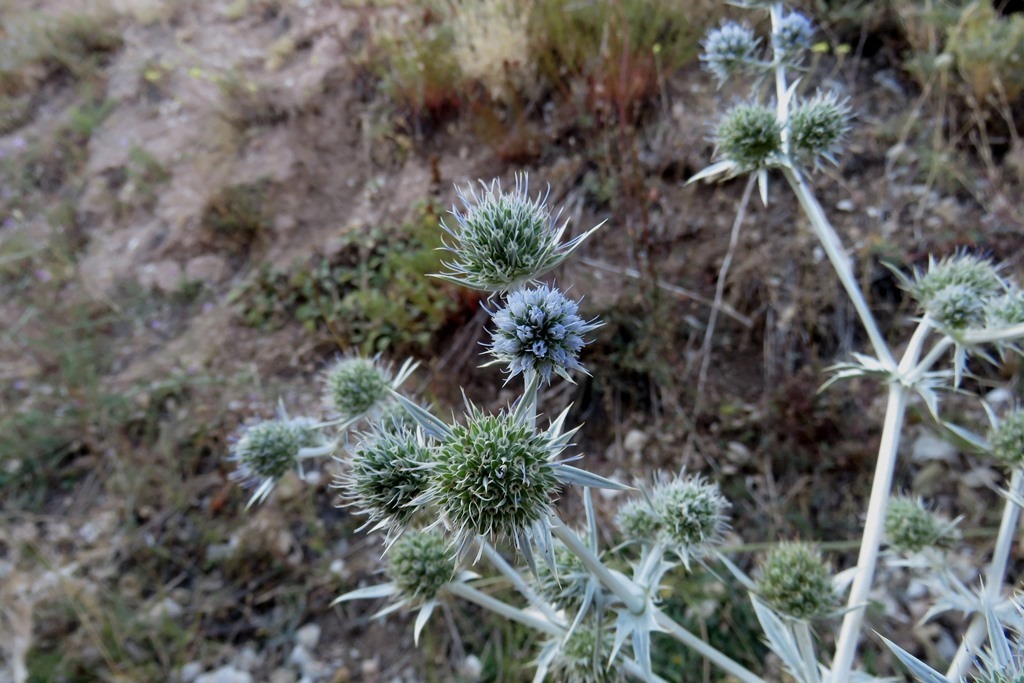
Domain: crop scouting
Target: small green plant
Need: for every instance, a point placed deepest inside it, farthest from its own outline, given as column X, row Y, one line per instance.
column 370, row 295
column 237, row 218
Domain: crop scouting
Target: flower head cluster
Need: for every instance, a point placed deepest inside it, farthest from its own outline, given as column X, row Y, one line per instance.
column 356, row 387
column 911, row 527
column 728, row 49
column 1006, row 442
column 796, row 582
column 265, row 452
column 818, row 127
column 493, row 477
column 420, row 564
column 955, row 290
column 504, row 239
column 583, row 657
column 688, row 514
column 792, row 38
column 389, row 469
column 749, row 136
column 539, row 330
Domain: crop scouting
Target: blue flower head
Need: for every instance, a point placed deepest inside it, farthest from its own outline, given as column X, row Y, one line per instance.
column 728, row 49
column 540, row 330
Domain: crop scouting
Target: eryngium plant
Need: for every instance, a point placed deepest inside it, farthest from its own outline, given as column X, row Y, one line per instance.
column 503, row 240
column 495, row 476
column 796, row 582
column 265, row 452
column 539, row 330
column 910, row 527
column 728, row 49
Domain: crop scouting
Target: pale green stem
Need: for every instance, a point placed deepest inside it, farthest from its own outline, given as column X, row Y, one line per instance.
column 616, row 584
column 830, row 242
column 874, row 525
column 933, row 356
column 806, row 646
column 693, row 642
column 510, row 572
column 913, row 351
column 993, row 579
column 317, row 451
column 780, row 79
column 990, row 336
column 470, row 594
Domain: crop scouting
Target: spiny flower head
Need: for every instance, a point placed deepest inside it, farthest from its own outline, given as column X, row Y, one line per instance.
column 502, row 240
column 976, row 275
column 1006, row 310
column 493, row 477
column 956, row 307
column 750, row 136
column 728, row 49
column 637, row 521
column 583, row 656
column 818, row 127
column 354, row 385
column 911, row 527
column 539, row 330
column 691, row 512
column 266, row 451
column 796, row 582
column 419, row 564
column 389, row 469
column 792, row 38
column 1006, row 442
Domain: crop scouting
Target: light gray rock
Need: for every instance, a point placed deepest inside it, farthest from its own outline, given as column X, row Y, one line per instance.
column 308, row 636
column 928, row 448
column 226, row 674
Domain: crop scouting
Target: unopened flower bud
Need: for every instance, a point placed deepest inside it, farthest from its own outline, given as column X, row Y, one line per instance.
column 420, row 563
column 911, row 527
column 818, row 127
column 796, row 583
column 750, row 135
column 1007, row 440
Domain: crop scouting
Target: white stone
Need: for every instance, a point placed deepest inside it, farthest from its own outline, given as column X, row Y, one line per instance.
column 845, row 205
column 308, row 636
column 248, row 659
column 472, row 668
column 166, row 609
column 190, row 672
column 225, row 674
column 635, row 441
column 928, row 447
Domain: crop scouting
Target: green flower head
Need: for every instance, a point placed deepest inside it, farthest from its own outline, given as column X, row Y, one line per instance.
column 910, row 527
column 503, row 240
column 1006, row 442
column 419, row 564
column 389, row 469
column 750, row 136
column 266, row 451
column 818, row 127
column 494, row 477
column 796, row 582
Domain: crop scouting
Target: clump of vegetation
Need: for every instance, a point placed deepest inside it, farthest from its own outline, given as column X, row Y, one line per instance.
column 237, row 218
column 369, row 295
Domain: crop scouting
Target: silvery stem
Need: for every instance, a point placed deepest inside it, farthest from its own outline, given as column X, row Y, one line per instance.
column 633, row 601
column 874, row 526
column 317, row 451
column 724, row 662
column 495, row 558
column 470, row 594
column 830, row 242
column 993, row 579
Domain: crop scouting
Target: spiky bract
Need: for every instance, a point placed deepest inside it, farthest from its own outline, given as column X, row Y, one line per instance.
column 565, row 585
column 539, row 329
column 503, row 239
column 957, row 307
column 792, row 38
column 419, row 564
column 356, row 385
column 796, row 582
column 911, row 527
column 1006, row 442
column 728, row 49
column 818, row 127
column 389, row 469
column 493, row 477
column 750, row 136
